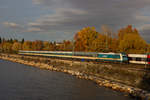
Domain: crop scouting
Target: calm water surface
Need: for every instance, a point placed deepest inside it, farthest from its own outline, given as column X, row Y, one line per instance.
column 20, row 82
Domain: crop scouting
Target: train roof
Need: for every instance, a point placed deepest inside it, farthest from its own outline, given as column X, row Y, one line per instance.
column 112, row 53
column 138, row 55
column 45, row 51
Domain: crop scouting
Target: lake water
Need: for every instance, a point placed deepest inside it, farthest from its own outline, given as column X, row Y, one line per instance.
column 21, row 82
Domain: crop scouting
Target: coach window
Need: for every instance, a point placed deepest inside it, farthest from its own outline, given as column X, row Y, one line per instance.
column 143, row 59
column 134, row 59
column 148, row 59
column 130, row 58
column 138, row 59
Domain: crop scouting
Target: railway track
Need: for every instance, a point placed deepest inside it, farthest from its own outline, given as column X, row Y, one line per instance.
column 125, row 66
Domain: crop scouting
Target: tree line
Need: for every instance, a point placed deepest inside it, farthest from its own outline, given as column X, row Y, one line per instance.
column 127, row 40
column 14, row 45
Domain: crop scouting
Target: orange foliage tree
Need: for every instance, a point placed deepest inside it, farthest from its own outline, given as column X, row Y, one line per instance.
column 37, row 45
column 16, row 46
column 84, row 39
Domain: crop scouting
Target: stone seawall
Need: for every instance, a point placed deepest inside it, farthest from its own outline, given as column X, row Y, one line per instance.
column 66, row 67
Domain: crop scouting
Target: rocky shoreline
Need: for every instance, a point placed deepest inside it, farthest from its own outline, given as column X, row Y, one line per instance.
column 135, row 92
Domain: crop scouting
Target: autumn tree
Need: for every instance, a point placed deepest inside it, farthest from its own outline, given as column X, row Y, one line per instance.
column 114, row 45
column 3, row 40
column 37, row 45
column 22, row 41
column 110, row 40
column 0, row 44
column 10, row 40
column 16, row 46
column 127, row 30
column 131, row 41
column 84, row 39
column 27, row 45
column 48, row 46
column 15, row 40
column 99, row 44
column 148, row 50
column 54, row 46
column 68, row 45
column 0, row 40
column 7, row 47
column 106, row 31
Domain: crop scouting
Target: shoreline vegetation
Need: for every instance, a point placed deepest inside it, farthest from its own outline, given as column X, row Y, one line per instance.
column 119, row 77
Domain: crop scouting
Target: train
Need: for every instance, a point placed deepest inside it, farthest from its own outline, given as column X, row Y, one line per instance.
column 93, row 56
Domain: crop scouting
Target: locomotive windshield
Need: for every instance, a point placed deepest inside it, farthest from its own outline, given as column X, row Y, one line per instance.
column 125, row 58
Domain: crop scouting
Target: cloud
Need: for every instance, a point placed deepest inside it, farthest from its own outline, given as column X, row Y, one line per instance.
column 59, row 21
column 144, row 27
column 72, row 15
column 12, row 25
column 145, row 32
column 33, row 30
column 36, row 1
column 93, row 4
column 143, row 18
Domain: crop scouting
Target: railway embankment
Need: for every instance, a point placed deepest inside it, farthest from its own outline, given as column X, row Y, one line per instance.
column 131, row 79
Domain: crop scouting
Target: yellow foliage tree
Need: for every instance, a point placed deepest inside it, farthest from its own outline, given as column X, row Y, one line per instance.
column 99, row 44
column 133, row 43
column 46, row 46
column 27, row 45
column 37, row 45
column 6, row 47
column 128, row 30
column 114, row 45
column 16, row 46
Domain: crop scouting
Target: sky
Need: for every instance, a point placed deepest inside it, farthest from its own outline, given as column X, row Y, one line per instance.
column 58, row 20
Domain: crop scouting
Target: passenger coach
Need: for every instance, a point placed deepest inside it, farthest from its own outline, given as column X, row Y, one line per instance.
column 139, row 58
